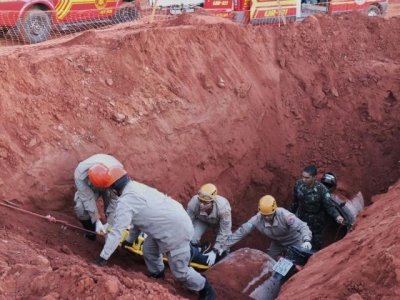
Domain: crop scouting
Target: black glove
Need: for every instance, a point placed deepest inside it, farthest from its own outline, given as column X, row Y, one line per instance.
column 100, row 261
column 126, row 244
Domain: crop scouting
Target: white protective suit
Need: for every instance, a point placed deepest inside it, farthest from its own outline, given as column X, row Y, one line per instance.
column 286, row 230
column 220, row 219
column 167, row 225
column 86, row 194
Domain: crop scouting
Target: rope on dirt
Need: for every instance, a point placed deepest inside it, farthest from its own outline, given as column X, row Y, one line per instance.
column 48, row 217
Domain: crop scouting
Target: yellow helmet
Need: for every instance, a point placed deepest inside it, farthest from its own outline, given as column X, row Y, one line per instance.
column 267, row 205
column 208, row 192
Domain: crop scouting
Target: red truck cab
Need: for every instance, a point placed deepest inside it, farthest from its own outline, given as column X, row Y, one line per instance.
column 33, row 20
column 279, row 11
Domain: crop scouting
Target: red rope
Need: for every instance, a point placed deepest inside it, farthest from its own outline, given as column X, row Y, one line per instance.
column 48, row 218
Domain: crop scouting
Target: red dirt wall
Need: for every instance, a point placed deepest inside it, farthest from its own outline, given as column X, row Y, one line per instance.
column 191, row 101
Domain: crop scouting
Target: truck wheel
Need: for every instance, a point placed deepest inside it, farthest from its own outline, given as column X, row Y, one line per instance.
column 35, row 26
column 373, row 11
column 3, row 31
column 125, row 13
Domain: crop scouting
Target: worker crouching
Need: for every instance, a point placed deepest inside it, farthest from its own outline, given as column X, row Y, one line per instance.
column 163, row 219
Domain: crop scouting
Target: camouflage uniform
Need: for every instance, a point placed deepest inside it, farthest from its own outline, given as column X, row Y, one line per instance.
column 311, row 205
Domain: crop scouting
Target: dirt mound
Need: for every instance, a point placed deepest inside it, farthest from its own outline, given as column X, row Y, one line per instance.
column 393, row 9
column 244, row 107
column 200, row 17
column 53, row 262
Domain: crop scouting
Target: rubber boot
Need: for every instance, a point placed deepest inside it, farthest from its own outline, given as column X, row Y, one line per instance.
column 87, row 224
column 197, row 257
column 208, row 292
column 159, row 275
column 127, row 244
column 202, row 248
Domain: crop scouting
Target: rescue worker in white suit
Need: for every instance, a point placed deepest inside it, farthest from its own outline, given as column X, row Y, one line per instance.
column 167, row 225
column 282, row 227
column 207, row 209
column 87, row 194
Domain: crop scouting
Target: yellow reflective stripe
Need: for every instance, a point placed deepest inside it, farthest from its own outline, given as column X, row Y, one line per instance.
column 61, row 9
column 64, row 6
column 63, row 13
column 59, row 6
column 273, row 3
column 353, row 2
column 343, row 2
column 83, row 1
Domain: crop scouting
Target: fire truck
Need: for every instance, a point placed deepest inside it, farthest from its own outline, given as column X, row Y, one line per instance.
column 278, row 11
column 33, row 20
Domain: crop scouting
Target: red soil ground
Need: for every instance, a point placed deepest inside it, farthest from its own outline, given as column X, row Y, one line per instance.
column 186, row 102
column 393, row 8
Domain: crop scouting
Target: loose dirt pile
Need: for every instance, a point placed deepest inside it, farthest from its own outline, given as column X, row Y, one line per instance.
column 182, row 103
column 393, row 9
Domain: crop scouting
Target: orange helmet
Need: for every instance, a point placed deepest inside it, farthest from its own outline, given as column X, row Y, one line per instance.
column 102, row 177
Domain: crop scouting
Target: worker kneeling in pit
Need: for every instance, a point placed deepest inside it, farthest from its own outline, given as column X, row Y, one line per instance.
column 282, row 227
column 207, row 209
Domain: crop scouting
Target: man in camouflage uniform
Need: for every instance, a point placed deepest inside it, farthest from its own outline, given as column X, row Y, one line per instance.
column 311, row 202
